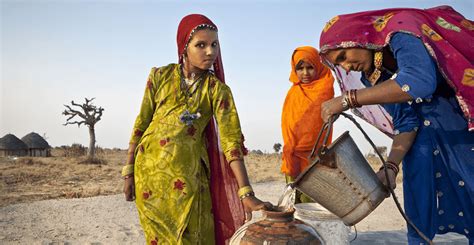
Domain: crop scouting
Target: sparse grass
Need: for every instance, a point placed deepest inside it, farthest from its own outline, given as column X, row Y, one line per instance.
column 263, row 168
column 94, row 160
column 29, row 179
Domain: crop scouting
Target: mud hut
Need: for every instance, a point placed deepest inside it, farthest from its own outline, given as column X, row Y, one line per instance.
column 10, row 145
column 37, row 145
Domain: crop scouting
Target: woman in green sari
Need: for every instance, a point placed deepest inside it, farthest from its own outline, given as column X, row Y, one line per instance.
column 184, row 189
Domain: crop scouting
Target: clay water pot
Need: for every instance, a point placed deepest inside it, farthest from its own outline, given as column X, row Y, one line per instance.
column 280, row 227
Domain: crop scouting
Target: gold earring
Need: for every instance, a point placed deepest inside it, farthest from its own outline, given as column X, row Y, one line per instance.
column 374, row 77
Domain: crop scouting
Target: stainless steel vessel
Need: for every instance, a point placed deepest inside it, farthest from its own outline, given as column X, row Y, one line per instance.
column 341, row 180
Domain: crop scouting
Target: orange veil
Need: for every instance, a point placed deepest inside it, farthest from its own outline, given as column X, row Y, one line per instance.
column 301, row 117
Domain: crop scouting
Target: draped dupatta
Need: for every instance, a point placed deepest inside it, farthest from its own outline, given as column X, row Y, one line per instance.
column 301, row 117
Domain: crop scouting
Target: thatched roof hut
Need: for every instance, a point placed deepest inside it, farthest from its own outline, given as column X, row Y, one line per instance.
column 37, row 145
column 34, row 140
column 10, row 145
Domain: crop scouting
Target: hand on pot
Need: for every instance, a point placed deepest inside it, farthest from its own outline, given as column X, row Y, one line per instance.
column 251, row 203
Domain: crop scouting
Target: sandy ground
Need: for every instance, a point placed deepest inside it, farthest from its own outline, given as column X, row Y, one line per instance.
column 61, row 200
column 111, row 220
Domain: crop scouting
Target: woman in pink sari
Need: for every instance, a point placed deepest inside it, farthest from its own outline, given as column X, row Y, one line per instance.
column 410, row 72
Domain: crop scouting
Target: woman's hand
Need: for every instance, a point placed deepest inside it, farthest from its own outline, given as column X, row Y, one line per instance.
column 129, row 189
column 251, row 203
column 392, row 177
column 331, row 107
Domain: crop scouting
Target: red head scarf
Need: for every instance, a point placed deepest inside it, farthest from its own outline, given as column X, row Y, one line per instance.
column 186, row 27
column 447, row 35
column 301, row 117
column 227, row 208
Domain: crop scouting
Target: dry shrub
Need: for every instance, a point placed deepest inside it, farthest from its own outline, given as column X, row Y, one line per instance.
column 100, row 150
column 75, row 150
column 79, row 151
column 29, row 161
column 83, row 192
column 22, row 178
column 29, row 179
column 94, row 160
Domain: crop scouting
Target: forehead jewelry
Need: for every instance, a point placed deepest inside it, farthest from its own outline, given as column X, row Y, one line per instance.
column 199, row 27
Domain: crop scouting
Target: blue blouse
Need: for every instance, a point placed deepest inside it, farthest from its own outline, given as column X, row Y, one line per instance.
column 438, row 170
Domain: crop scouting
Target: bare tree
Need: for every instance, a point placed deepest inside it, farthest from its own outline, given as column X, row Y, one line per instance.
column 277, row 147
column 89, row 115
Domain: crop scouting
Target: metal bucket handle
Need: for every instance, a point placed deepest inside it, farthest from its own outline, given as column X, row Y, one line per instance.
column 322, row 150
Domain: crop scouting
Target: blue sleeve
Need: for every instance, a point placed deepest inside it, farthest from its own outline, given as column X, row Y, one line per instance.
column 403, row 117
column 416, row 69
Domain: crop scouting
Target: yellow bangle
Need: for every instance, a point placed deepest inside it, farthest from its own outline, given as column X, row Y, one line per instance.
column 250, row 194
column 244, row 190
column 127, row 169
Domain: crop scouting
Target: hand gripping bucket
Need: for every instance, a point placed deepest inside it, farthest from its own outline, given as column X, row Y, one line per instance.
column 341, row 180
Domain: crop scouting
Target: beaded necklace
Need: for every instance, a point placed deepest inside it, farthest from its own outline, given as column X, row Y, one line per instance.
column 189, row 88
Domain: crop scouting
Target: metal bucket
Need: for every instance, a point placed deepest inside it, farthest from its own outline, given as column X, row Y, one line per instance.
column 341, row 180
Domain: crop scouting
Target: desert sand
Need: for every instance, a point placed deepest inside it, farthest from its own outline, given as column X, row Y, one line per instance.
column 111, row 220
column 81, row 204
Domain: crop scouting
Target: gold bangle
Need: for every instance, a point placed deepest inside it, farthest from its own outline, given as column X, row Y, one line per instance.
column 127, row 169
column 250, row 194
column 244, row 190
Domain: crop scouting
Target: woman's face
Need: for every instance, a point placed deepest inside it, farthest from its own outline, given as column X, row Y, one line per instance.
column 352, row 59
column 305, row 72
column 202, row 49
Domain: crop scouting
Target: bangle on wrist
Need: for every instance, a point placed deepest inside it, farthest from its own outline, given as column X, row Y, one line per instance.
column 128, row 170
column 351, row 96
column 244, row 190
column 345, row 102
column 354, row 94
column 391, row 165
column 249, row 194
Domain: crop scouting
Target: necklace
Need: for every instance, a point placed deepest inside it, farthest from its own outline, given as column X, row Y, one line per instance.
column 374, row 77
column 190, row 87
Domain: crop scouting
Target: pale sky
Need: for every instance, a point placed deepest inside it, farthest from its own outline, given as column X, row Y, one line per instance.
column 53, row 52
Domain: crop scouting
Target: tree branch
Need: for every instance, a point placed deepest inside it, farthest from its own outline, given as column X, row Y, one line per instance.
column 90, row 114
column 75, row 122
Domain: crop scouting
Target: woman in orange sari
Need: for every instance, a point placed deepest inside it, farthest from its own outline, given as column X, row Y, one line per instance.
column 301, row 118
